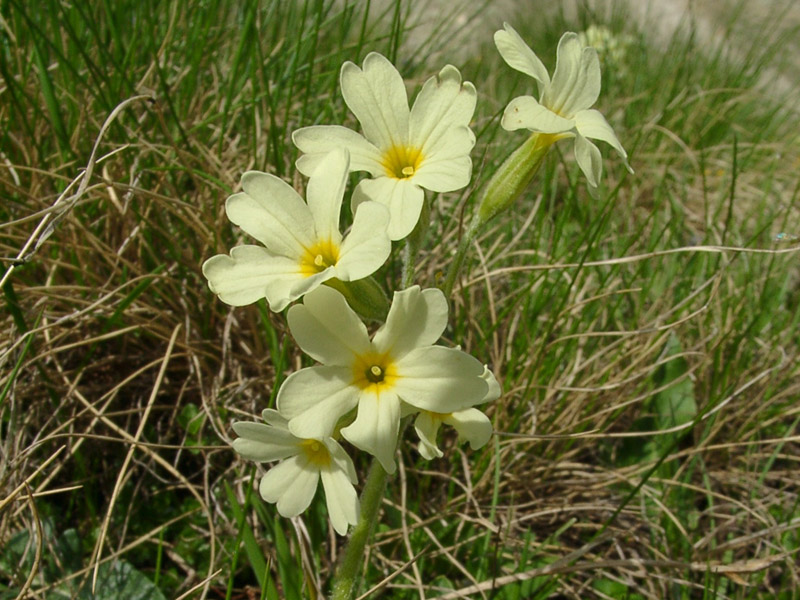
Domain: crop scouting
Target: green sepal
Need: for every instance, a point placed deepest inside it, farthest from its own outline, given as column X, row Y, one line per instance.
column 364, row 296
column 513, row 176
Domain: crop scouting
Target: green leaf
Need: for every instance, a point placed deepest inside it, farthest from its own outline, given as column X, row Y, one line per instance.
column 119, row 580
column 191, row 418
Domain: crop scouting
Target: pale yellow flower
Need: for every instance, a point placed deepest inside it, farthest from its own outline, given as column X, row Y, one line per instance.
column 302, row 245
column 564, row 105
column 376, row 376
column 404, row 151
column 292, row 483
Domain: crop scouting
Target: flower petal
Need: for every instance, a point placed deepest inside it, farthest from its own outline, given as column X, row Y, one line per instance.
column 272, row 212
column 576, row 80
column 274, row 418
column 325, row 192
column 316, row 141
column 263, row 443
column 524, row 112
column 447, row 166
column 440, row 379
column 315, row 398
column 427, row 426
column 471, row 425
column 589, row 160
column 376, row 427
column 367, row 246
column 519, row 56
column 327, row 329
column 378, row 99
column 592, row 124
column 341, row 459
column 494, row 391
column 249, row 274
column 292, row 484
column 301, row 287
column 443, row 104
column 402, row 197
column 416, row 318
column 341, row 499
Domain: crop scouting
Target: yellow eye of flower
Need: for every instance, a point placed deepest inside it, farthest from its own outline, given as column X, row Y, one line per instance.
column 401, row 162
column 319, row 257
column 374, row 370
column 316, row 452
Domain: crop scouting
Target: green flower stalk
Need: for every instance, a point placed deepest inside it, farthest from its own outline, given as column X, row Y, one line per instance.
column 348, row 572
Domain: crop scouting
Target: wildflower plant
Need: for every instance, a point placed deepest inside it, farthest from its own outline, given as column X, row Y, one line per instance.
column 366, row 388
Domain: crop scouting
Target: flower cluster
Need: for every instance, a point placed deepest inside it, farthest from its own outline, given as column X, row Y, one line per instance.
column 369, row 383
column 365, row 387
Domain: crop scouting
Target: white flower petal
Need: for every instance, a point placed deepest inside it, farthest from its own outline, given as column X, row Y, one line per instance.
column 376, row 427
column 272, row 212
column 576, row 80
column 426, row 426
column 524, row 112
column 327, row 329
column 263, row 443
column 274, row 418
column 589, row 160
column 448, row 167
column 341, row 459
column 341, row 499
column 249, row 274
column 494, row 390
column 315, row 398
column 519, row 56
column 316, row 141
column 367, row 246
column 325, row 192
column 377, row 97
column 471, row 425
column 416, row 318
column 402, row 197
column 440, row 379
column 443, row 104
column 592, row 124
column 301, row 286
column 407, row 409
column 278, row 478
column 292, row 484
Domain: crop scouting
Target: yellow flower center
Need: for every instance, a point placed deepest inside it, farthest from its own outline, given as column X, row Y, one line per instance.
column 401, row 162
column 316, row 452
column 374, row 372
column 318, row 257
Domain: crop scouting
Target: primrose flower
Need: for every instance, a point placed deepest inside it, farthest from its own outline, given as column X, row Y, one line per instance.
column 404, row 151
column 302, row 243
column 398, row 365
column 470, row 423
column 292, row 483
column 564, row 105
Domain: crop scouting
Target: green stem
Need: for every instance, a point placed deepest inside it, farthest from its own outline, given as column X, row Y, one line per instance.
column 409, row 264
column 347, row 574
